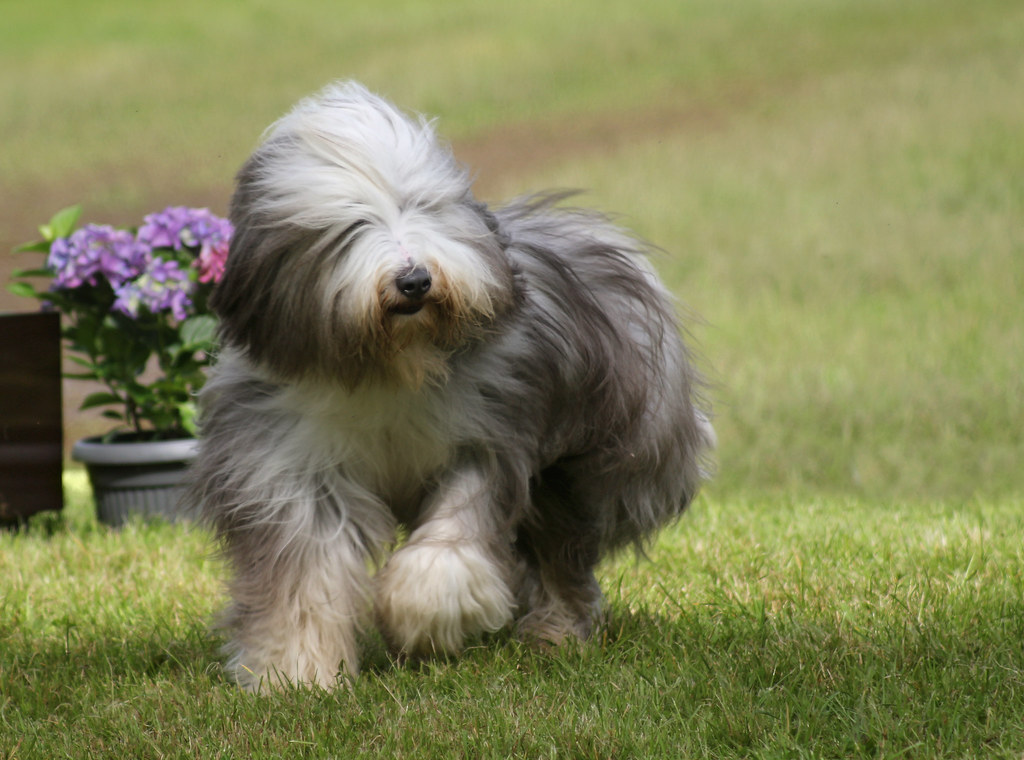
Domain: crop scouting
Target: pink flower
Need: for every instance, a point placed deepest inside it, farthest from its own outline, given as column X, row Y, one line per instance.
column 212, row 259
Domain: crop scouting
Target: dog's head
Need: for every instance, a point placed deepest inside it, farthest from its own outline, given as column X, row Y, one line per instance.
column 359, row 251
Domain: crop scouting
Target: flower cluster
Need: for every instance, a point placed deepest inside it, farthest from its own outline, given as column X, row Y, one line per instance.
column 164, row 286
column 135, row 310
column 178, row 226
column 95, row 253
column 133, row 266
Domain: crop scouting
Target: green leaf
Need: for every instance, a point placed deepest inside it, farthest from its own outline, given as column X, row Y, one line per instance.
column 139, row 393
column 81, row 362
column 62, row 224
column 100, row 398
column 31, row 273
column 40, row 246
column 198, row 331
column 187, row 412
column 21, row 289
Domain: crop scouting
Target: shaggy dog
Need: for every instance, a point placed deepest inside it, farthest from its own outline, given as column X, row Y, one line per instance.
column 508, row 384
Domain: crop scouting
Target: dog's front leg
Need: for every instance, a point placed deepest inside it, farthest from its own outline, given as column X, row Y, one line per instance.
column 296, row 608
column 449, row 582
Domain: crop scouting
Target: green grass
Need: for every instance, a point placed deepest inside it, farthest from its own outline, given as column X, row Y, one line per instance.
column 768, row 629
column 838, row 188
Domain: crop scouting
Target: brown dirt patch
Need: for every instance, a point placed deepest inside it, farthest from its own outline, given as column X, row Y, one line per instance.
column 513, row 151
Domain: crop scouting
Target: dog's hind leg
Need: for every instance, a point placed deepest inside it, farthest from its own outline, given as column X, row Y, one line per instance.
column 557, row 595
column 449, row 582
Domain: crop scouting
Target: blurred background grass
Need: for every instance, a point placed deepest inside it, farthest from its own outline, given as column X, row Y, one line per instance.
column 838, row 186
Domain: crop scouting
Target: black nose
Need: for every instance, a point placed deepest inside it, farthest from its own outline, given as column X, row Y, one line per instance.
column 414, row 284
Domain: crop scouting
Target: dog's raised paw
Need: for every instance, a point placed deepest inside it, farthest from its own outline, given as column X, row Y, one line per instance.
column 431, row 597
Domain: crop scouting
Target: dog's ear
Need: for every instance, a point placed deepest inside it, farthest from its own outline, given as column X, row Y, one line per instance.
column 259, row 300
column 240, row 296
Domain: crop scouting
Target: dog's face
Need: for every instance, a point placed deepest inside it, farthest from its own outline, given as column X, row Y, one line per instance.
column 359, row 251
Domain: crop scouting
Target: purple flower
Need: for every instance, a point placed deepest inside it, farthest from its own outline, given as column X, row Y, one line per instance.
column 205, row 229
column 176, row 226
column 96, row 252
column 164, row 287
column 163, row 230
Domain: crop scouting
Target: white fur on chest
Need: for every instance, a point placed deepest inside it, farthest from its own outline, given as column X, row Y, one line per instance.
column 391, row 442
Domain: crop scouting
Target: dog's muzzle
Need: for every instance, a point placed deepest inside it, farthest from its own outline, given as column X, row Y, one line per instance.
column 413, row 287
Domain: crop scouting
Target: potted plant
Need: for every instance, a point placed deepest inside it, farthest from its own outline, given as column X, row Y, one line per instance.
column 135, row 320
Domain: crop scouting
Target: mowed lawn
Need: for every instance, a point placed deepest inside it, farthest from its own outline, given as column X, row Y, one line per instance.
column 838, row 188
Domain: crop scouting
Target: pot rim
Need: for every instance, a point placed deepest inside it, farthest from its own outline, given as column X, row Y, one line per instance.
column 94, row 451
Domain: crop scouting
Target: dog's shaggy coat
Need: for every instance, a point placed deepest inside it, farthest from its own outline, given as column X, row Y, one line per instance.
column 508, row 384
